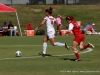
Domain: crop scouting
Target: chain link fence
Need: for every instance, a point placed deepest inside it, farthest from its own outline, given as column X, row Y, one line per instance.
column 50, row 1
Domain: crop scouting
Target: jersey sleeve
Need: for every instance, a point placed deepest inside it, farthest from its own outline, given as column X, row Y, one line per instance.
column 70, row 26
column 45, row 18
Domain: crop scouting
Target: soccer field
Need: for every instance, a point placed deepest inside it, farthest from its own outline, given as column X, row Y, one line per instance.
column 60, row 63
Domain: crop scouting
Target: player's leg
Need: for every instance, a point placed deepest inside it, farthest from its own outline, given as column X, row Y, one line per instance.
column 75, row 44
column 52, row 41
column 51, row 36
column 44, row 46
column 83, row 47
column 60, row 27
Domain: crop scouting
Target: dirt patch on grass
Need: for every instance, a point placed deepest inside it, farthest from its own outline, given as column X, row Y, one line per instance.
column 36, row 10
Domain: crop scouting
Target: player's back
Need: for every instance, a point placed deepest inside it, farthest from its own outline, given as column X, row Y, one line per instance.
column 50, row 22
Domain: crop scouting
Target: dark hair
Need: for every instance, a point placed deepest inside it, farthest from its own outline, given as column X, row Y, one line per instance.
column 49, row 10
column 70, row 18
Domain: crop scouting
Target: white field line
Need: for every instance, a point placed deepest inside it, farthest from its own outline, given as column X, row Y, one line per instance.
column 88, row 50
column 20, row 58
column 23, row 45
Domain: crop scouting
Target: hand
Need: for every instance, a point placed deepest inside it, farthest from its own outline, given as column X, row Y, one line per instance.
column 67, row 33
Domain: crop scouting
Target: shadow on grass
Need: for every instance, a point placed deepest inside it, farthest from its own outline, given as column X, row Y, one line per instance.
column 62, row 58
column 73, row 59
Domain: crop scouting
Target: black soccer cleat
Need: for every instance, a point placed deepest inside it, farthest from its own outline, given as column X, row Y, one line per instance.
column 43, row 55
column 66, row 46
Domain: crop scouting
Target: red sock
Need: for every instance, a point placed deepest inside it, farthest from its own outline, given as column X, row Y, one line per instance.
column 77, row 55
column 85, row 46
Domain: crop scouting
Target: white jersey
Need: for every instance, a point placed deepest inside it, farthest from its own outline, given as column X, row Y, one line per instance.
column 50, row 23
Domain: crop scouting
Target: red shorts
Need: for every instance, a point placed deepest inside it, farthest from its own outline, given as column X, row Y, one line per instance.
column 79, row 38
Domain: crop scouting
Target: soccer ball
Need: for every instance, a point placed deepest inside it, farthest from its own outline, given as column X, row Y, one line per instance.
column 18, row 53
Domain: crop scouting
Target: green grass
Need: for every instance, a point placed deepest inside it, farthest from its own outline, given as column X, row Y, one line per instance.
column 56, row 65
column 84, row 13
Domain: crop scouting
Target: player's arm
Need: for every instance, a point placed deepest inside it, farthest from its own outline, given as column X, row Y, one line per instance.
column 70, row 28
column 42, row 23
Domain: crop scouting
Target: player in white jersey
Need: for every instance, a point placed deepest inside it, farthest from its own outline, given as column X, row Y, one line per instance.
column 49, row 20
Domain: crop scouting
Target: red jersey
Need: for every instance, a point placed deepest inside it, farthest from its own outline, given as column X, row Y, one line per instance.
column 79, row 37
column 76, row 29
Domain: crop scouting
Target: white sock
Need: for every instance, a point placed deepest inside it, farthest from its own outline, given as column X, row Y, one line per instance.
column 75, row 51
column 44, row 47
column 59, row 44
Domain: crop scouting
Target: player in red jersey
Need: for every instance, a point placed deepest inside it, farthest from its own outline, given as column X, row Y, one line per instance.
column 79, row 37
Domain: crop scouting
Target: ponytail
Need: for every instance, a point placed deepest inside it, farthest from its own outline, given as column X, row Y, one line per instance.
column 49, row 10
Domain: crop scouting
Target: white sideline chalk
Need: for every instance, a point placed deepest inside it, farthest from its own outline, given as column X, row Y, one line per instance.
column 86, row 51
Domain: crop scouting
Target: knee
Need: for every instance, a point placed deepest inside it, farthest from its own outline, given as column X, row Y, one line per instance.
column 54, row 44
column 43, row 40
